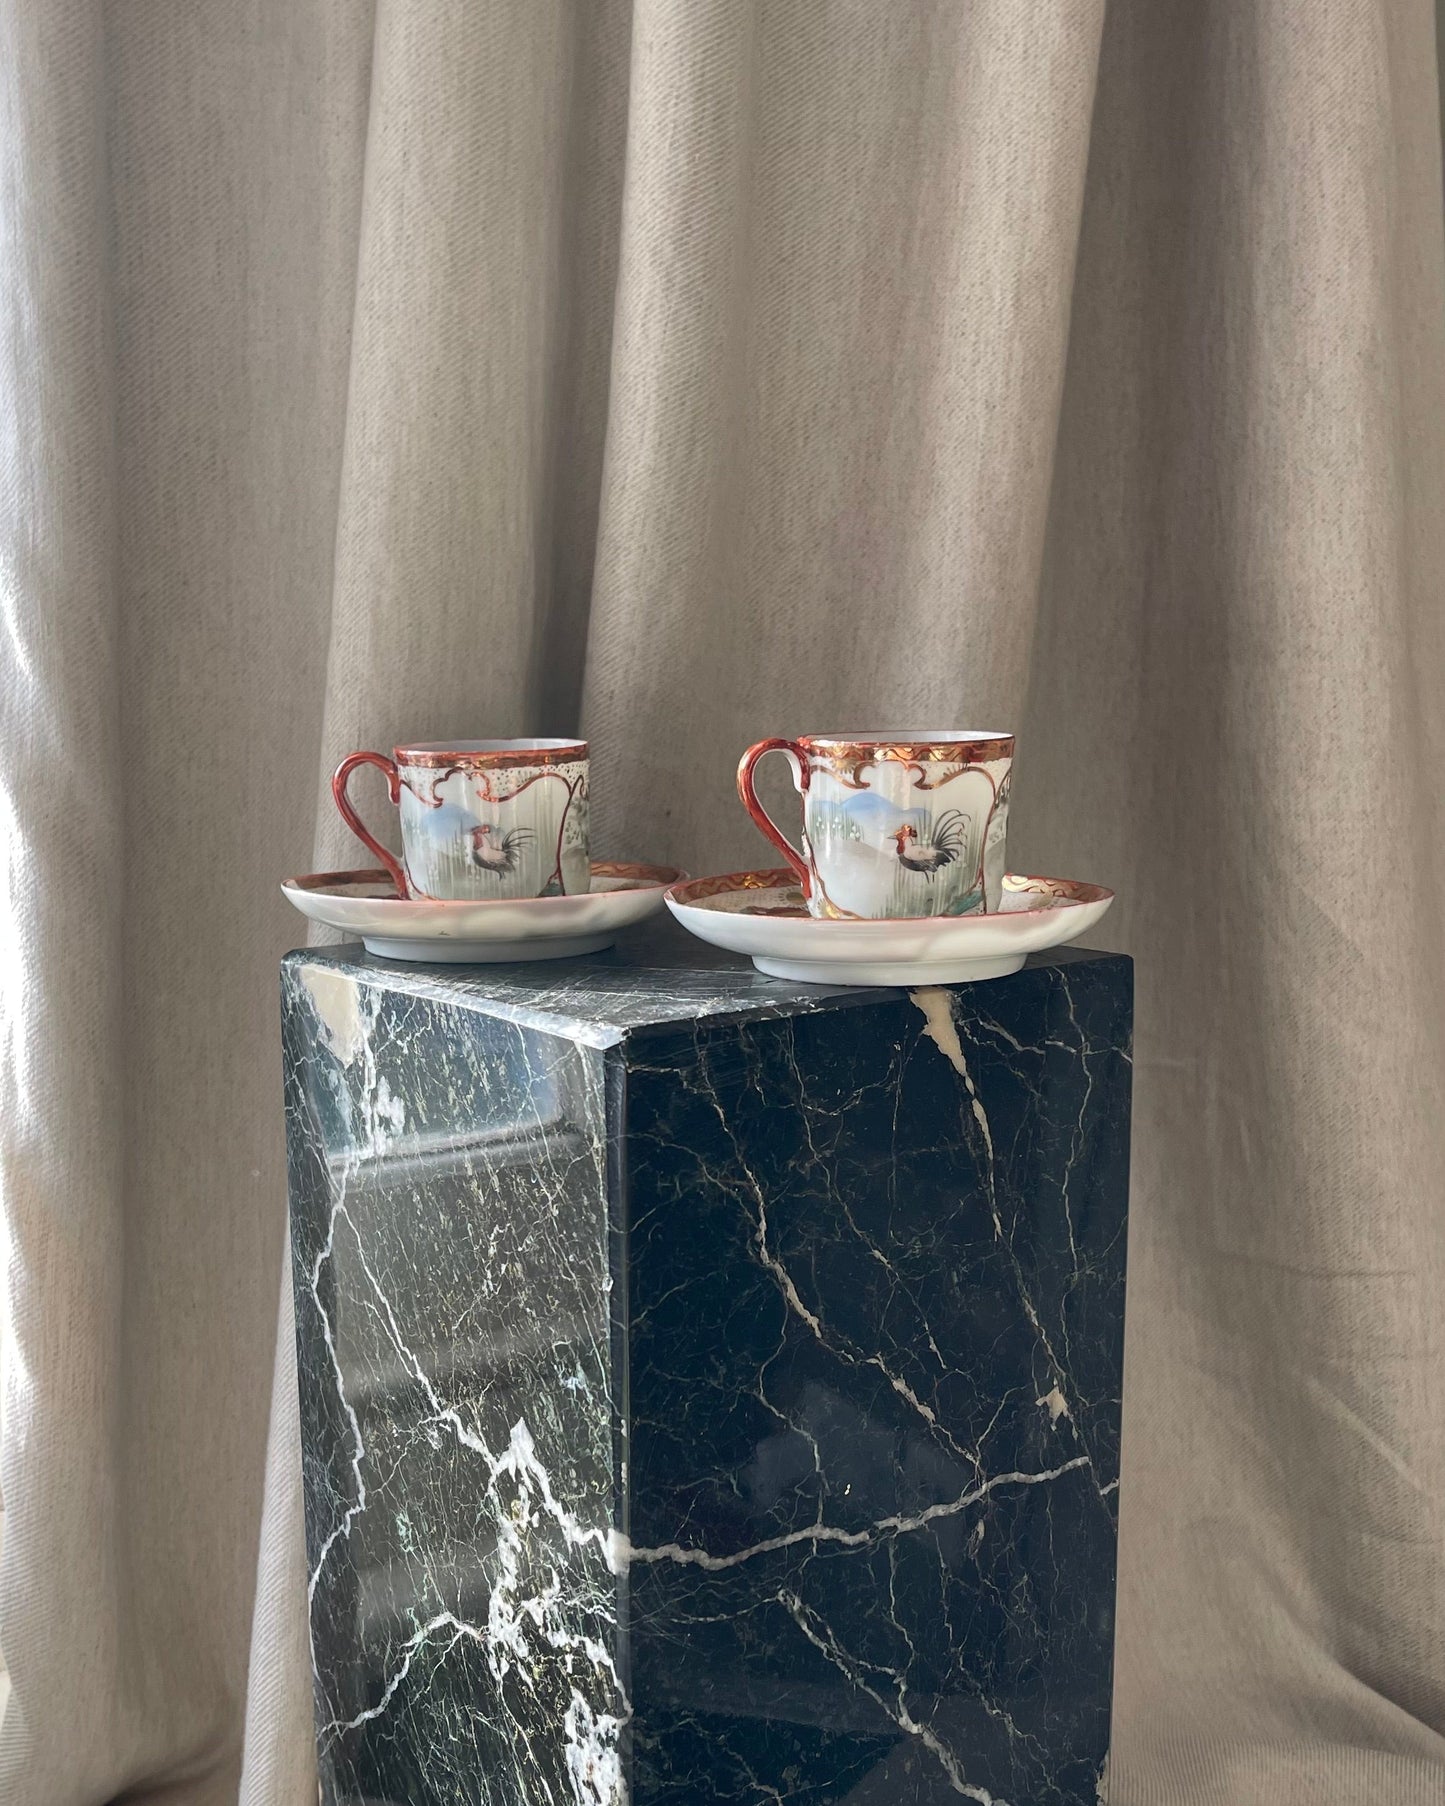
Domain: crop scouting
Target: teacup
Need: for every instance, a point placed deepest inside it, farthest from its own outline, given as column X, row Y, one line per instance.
column 482, row 818
column 908, row 823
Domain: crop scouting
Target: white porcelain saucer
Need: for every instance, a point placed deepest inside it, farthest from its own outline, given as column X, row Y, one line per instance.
column 762, row 914
column 365, row 904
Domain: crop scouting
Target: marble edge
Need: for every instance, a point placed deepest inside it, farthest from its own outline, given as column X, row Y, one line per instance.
column 852, row 996
column 438, row 985
column 443, row 984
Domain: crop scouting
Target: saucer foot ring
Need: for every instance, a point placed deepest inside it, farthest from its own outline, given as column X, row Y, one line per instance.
column 908, row 974
column 485, row 953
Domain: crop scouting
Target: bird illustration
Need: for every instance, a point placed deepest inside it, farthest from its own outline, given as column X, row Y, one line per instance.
column 493, row 851
column 948, row 836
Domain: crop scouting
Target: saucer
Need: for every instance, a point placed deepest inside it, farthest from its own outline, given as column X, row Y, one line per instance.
column 762, row 914
column 487, row 930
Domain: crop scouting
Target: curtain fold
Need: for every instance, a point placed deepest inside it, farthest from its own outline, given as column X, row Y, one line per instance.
column 1242, row 621
column 63, row 1155
column 842, row 313
column 682, row 373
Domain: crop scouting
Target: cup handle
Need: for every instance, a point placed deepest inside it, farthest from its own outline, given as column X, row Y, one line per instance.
column 353, row 820
column 761, row 819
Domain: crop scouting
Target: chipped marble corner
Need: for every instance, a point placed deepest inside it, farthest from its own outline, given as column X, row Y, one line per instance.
column 336, row 1000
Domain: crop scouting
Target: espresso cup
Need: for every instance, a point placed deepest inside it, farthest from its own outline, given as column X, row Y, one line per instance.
column 909, row 823
column 482, row 818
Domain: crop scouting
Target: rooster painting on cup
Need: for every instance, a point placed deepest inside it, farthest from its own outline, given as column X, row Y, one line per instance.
column 947, row 838
column 497, row 852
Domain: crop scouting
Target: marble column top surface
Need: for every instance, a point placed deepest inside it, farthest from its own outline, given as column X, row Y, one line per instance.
column 656, row 975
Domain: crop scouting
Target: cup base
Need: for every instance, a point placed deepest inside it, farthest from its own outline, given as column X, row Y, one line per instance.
column 827, row 912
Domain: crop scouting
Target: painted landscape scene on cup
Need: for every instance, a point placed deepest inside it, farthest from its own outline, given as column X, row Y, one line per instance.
column 462, row 822
column 888, row 849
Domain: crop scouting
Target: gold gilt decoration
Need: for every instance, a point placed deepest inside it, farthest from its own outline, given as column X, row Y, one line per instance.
column 487, row 791
column 695, row 889
column 500, row 759
column 931, row 762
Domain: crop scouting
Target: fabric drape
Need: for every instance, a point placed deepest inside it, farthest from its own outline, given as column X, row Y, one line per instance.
column 682, row 373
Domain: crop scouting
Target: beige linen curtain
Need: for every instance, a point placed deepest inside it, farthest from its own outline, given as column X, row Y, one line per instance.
column 684, row 371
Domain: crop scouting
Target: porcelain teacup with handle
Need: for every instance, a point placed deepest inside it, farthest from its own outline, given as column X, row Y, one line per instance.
column 482, row 818
column 904, row 823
